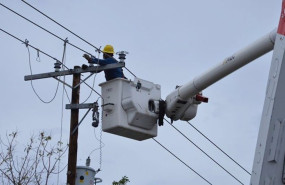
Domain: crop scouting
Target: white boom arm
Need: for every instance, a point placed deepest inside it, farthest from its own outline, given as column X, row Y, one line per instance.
column 181, row 102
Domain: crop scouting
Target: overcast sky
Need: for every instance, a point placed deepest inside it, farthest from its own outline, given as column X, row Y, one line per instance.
column 170, row 42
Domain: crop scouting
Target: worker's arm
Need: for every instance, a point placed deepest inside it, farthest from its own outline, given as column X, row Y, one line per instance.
column 101, row 62
column 94, row 60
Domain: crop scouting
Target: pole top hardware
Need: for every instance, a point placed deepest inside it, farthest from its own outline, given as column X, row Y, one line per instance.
column 92, row 69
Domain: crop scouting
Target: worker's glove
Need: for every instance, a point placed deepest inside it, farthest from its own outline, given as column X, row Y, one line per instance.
column 87, row 57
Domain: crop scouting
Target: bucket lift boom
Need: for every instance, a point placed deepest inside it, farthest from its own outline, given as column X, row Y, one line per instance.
column 182, row 103
column 269, row 160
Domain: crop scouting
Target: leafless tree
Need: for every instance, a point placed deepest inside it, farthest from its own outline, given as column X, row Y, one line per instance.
column 34, row 164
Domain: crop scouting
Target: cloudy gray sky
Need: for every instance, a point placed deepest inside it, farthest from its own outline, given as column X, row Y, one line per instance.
column 170, row 42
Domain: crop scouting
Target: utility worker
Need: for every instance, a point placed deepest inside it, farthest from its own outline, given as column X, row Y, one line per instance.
column 108, row 53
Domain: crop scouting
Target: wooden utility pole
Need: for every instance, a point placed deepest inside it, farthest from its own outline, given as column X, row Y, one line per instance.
column 72, row 153
column 74, row 106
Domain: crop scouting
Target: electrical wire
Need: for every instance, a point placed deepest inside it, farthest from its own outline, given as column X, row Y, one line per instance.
column 93, row 151
column 84, row 40
column 93, row 80
column 38, row 50
column 204, row 152
column 99, row 148
column 181, row 161
column 60, row 25
column 43, row 28
column 60, row 37
column 64, row 89
column 56, row 37
column 218, row 147
column 32, row 46
column 50, row 57
column 61, row 124
column 67, row 95
column 62, row 108
column 90, row 91
column 33, row 85
column 101, row 145
column 101, row 155
column 92, row 88
column 100, row 140
column 101, row 134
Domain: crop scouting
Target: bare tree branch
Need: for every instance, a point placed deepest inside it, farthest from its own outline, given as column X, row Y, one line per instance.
column 35, row 165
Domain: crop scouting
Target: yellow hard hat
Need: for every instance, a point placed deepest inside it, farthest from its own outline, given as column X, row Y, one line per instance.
column 108, row 49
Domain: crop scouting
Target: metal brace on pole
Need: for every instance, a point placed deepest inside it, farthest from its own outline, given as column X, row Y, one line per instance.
column 94, row 106
column 74, row 130
column 63, row 82
column 82, row 81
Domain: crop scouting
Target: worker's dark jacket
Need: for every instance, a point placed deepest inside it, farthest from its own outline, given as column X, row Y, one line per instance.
column 110, row 73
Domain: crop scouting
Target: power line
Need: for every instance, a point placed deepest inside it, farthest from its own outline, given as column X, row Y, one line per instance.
column 93, row 82
column 48, row 56
column 218, row 147
column 101, row 145
column 25, row 42
column 56, row 37
column 44, row 29
column 92, row 89
column 30, row 65
column 204, row 152
column 181, row 161
column 33, row 85
column 84, row 40
column 60, row 25
column 62, row 107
